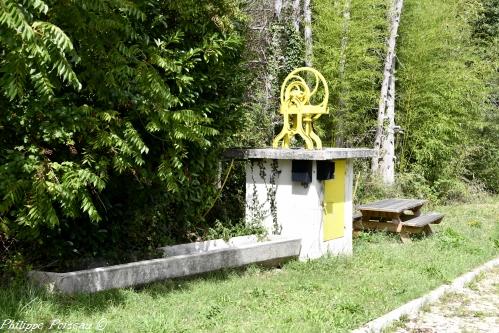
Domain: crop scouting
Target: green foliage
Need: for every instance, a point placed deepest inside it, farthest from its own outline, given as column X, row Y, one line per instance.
column 450, row 238
column 228, row 230
column 442, row 102
column 34, row 51
column 487, row 23
column 485, row 161
column 350, row 53
column 113, row 116
column 446, row 88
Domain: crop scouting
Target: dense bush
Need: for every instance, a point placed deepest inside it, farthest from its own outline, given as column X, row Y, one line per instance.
column 113, row 116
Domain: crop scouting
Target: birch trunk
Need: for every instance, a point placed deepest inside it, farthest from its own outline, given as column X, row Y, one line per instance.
column 278, row 8
column 307, row 20
column 344, row 38
column 342, row 63
column 296, row 14
column 387, row 162
column 383, row 163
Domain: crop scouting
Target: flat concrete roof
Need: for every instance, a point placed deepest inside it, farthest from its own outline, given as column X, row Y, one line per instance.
column 299, row 153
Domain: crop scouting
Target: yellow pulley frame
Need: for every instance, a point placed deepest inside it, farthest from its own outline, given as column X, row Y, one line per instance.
column 297, row 109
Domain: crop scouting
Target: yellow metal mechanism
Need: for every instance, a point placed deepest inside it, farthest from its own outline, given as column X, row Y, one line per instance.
column 334, row 203
column 297, row 108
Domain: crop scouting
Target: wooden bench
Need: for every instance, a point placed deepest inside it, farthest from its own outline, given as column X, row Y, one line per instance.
column 425, row 219
column 402, row 216
column 357, row 216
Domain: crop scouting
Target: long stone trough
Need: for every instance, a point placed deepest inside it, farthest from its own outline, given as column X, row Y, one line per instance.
column 178, row 261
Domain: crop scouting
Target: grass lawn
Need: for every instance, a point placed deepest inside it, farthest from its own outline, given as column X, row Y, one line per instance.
column 333, row 294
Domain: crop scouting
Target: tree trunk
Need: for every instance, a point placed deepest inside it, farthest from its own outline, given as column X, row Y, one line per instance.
column 387, row 162
column 344, row 38
column 342, row 63
column 296, row 15
column 383, row 163
column 307, row 20
column 278, row 8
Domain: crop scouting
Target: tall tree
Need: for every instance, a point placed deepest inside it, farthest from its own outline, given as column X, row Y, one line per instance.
column 307, row 31
column 384, row 143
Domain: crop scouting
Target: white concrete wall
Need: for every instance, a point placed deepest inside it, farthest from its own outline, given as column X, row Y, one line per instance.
column 299, row 208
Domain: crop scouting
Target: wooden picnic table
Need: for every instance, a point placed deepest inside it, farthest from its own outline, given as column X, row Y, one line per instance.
column 402, row 216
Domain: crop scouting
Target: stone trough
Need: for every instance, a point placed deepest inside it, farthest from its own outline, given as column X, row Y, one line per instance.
column 178, row 261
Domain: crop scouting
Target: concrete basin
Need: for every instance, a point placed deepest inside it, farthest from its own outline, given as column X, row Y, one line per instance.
column 178, row 260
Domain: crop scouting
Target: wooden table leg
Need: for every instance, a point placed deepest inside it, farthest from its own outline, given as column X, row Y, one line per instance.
column 417, row 211
column 427, row 230
column 405, row 237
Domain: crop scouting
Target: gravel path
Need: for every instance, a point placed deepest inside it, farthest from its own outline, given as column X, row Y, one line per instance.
column 474, row 308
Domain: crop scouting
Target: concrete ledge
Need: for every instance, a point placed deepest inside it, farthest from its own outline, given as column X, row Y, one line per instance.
column 300, row 153
column 211, row 245
column 414, row 306
column 181, row 260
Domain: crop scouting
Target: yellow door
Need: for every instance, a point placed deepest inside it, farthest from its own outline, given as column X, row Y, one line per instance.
column 334, row 203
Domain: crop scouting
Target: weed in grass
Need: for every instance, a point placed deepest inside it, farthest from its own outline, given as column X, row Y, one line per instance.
column 349, row 307
column 259, row 292
column 472, row 285
column 480, row 276
column 426, row 307
column 450, row 238
column 253, row 270
column 376, row 237
column 480, row 314
column 213, row 311
column 434, row 272
column 474, row 224
column 399, row 324
column 452, row 297
column 400, row 291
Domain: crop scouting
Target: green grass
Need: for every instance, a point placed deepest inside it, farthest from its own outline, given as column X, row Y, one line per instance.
column 333, row 294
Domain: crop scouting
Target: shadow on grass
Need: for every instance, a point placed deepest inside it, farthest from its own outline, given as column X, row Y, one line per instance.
column 22, row 299
column 160, row 288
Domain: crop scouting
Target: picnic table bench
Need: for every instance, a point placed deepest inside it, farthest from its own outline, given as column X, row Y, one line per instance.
column 402, row 216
